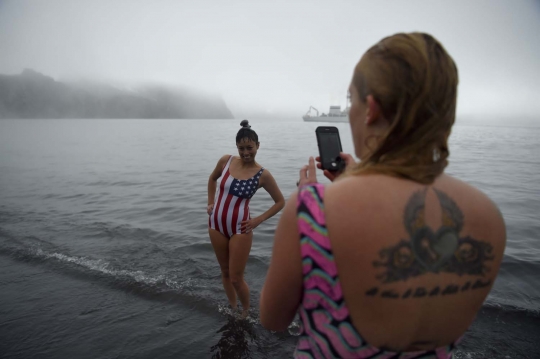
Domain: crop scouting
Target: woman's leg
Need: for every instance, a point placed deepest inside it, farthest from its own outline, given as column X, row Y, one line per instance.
column 221, row 248
column 239, row 248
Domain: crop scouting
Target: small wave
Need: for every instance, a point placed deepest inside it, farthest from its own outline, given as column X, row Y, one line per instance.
column 50, row 195
column 226, row 310
column 72, row 196
column 160, row 210
column 519, row 264
column 129, row 184
column 102, row 183
column 98, row 183
column 295, row 328
column 103, row 267
column 511, row 308
column 253, row 318
column 130, row 279
column 197, row 292
column 123, row 231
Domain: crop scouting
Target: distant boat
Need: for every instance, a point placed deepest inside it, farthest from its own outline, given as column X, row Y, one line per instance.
column 334, row 115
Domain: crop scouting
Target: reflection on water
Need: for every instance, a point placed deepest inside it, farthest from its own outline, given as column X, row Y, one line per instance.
column 237, row 334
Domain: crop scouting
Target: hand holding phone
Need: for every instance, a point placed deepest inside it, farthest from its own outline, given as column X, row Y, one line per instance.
column 347, row 158
column 329, row 148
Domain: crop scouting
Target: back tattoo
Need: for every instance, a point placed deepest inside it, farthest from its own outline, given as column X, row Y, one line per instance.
column 428, row 251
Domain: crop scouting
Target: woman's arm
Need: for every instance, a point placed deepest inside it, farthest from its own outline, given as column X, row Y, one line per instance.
column 212, row 181
column 282, row 290
column 269, row 184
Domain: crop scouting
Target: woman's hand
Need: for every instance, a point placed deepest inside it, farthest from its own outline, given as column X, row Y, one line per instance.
column 210, row 208
column 332, row 175
column 307, row 174
column 250, row 224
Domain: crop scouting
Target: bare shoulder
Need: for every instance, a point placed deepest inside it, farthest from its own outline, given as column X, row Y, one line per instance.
column 356, row 204
column 383, row 199
column 365, row 183
column 266, row 173
column 380, row 186
column 364, row 190
column 224, row 159
column 216, row 172
column 470, row 197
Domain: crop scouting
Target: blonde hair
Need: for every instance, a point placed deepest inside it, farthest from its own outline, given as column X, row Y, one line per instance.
column 414, row 81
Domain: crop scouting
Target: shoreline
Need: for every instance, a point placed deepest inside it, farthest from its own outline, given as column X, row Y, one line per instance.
column 48, row 313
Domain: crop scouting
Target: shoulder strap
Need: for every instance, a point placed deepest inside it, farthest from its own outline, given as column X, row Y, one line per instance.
column 315, row 246
column 310, row 212
column 226, row 167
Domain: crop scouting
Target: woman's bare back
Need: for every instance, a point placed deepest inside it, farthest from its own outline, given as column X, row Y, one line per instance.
column 415, row 262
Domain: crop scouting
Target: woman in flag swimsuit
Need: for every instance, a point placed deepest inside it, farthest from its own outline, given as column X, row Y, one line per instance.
column 394, row 258
column 230, row 187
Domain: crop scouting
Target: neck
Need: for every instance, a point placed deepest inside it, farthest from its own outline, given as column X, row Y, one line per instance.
column 250, row 164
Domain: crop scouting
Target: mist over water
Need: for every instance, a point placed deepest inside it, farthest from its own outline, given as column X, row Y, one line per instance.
column 103, row 237
column 274, row 60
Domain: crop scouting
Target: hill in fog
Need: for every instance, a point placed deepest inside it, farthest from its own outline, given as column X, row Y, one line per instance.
column 34, row 95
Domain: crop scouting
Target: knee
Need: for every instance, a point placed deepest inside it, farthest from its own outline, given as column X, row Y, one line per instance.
column 225, row 273
column 237, row 280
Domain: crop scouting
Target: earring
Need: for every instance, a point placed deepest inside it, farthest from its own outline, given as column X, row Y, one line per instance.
column 436, row 155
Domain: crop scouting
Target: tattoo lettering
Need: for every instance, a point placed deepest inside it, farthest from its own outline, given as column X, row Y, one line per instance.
column 389, row 294
column 421, row 292
column 428, row 251
column 480, row 284
column 451, row 289
column 372, row 291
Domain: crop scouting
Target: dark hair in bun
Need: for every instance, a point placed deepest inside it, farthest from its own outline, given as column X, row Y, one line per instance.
column 246, row 133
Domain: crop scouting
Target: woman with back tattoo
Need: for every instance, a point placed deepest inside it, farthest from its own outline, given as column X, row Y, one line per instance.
column 394, row 258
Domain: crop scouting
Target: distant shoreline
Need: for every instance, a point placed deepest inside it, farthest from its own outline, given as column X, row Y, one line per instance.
column 32, row 95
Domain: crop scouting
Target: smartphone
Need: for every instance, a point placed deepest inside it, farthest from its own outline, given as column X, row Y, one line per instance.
column 329, row 148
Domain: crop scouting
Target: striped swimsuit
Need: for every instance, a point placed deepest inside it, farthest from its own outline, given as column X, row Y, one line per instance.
column 327, row 330
column 232, row 201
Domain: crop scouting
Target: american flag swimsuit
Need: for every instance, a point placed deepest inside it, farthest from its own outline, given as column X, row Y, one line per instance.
column 232, row 202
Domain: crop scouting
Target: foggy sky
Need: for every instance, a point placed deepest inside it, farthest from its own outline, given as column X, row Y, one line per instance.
column 275, row 58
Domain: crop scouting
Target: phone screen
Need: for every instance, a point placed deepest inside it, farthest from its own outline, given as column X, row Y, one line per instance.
column 329, row 149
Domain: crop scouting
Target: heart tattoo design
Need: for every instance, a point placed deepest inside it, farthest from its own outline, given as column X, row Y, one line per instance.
column 428, row 251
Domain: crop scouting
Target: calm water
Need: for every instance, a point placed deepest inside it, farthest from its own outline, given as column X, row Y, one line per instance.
column 104, row 251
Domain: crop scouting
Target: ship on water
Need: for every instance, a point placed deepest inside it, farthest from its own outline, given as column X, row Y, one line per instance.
column 334, row 115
